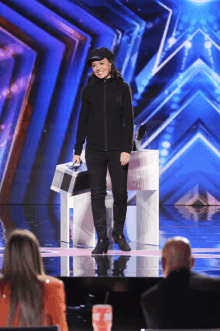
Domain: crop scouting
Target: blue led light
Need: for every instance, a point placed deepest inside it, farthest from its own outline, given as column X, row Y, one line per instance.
column 193, row 21
column 135, row 103
column 164, row 152
column 169, row 129
column 174, row 106
column 188, row 44
column 203, row 21
column 145, row 82
column 176, row 99
column 167, row 136
column 208, row 44
column 166, row 144
column 137, row 96
column 162, row 160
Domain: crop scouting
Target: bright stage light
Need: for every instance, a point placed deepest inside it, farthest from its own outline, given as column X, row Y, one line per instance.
column 5, row 92
column 14, row 88
column 171, row 41
column 208, row 44
column 166, row 144
column 164, row 152
column 217, row 91
column 200, row 2
column 188, row 44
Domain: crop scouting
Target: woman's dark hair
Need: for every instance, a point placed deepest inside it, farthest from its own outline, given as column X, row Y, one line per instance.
column 23, row 269
column 115, row 74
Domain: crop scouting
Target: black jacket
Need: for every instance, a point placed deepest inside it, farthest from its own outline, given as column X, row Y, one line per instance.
column 183, row 300
column 106, row 117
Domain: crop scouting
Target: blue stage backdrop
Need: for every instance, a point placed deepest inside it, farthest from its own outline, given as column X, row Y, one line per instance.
column 168, row 51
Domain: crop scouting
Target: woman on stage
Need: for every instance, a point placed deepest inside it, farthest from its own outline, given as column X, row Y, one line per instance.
column 107, row 120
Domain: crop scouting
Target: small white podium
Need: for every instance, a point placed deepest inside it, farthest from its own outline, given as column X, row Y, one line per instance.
column 73, row 186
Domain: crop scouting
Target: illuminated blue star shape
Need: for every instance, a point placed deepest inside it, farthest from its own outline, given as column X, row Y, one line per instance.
column 184, row 19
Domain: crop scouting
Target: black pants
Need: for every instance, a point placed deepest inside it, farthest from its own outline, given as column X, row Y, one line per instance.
column 97, row 162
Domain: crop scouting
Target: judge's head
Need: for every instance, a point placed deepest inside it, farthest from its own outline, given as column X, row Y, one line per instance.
column 22, row 256
column 176, row 254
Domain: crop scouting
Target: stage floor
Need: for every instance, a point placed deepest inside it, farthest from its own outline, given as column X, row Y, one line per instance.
column 200, row 224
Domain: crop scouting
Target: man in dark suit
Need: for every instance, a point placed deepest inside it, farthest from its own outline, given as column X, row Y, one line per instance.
column 183, row 299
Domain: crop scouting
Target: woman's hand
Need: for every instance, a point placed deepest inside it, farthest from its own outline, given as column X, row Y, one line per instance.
column 76, row 158
column 124, row 158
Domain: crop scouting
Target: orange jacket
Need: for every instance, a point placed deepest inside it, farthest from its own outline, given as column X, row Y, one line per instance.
column 54, row 303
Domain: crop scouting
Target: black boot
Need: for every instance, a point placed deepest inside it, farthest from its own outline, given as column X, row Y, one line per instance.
column 101, row 247
column 103, row 265
column 120, row 265
column 121, row 241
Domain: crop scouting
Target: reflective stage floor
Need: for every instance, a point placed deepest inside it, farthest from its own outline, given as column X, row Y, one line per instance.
column 201, row 225
column 118, row 278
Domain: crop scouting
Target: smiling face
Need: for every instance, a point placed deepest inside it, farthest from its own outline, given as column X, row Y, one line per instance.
column 102, row 68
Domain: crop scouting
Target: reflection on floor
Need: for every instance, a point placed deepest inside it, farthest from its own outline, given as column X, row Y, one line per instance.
column 123, row 293
column 199, row 224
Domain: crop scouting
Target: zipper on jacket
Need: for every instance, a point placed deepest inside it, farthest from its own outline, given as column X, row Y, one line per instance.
column 105, row 120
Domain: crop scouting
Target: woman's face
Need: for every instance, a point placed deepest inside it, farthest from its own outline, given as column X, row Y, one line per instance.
column 102, row 68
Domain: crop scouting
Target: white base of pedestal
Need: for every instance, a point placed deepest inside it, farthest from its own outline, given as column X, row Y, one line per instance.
column 147, row 213
column 142, row 221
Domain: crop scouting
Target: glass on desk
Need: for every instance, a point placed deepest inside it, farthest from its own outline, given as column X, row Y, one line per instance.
column 102, row 317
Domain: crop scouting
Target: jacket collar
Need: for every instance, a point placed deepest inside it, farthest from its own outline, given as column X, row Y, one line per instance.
column 107, row 80
column 177, row 280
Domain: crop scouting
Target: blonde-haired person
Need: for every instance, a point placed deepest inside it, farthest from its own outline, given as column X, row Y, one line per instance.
column 28, row 297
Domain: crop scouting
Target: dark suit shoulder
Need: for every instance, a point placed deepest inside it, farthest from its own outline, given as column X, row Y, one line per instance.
column 204, row 283
column 150, row 292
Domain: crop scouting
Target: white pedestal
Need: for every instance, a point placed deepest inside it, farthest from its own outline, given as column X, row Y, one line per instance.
column 143, row 177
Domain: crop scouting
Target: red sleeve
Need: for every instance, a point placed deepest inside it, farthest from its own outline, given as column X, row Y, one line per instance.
column 55, row 305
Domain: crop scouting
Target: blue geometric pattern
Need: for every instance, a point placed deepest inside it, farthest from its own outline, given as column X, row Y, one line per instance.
column 167, row 51
column 61, row 34
column 183, row 117
column 15, row 78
